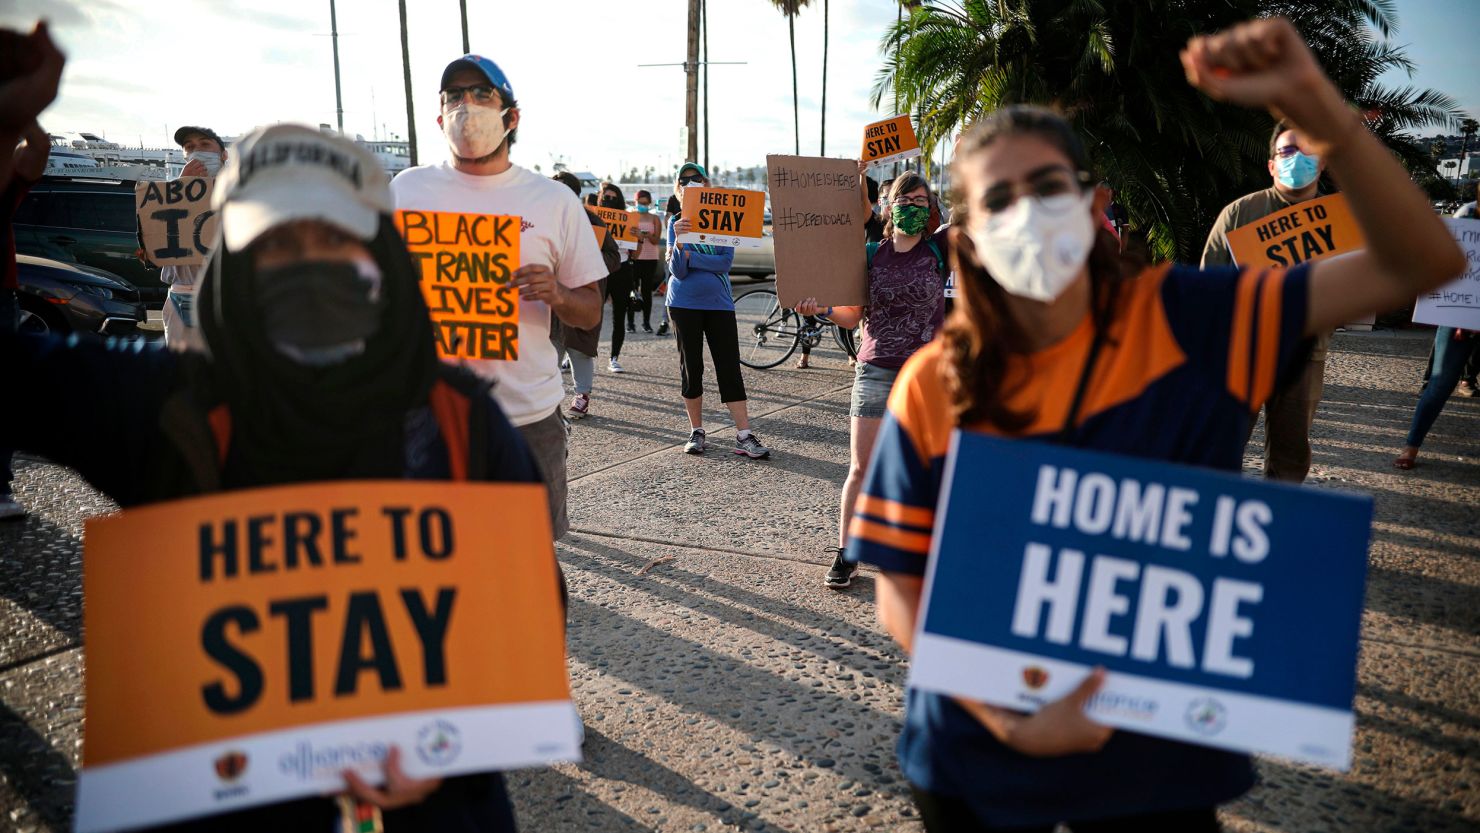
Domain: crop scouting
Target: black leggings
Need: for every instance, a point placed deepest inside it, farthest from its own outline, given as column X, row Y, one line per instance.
column 693, row 327
column 619, row 289
column 648, row 276
column 948, row 814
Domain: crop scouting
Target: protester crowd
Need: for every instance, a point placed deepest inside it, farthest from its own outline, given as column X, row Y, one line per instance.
column 302, row 351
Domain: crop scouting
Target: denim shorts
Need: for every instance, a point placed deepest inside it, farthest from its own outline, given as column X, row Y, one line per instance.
column 871, row 386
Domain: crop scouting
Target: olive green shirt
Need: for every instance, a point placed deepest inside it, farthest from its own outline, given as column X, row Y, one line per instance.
column 1237, row 214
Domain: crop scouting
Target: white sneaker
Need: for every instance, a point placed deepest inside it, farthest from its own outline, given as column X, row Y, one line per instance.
column 614, row 366
column 10, row 510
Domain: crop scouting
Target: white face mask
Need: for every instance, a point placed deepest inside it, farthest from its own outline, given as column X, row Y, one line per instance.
column 1036, row 248
column 474, row 131
column 209, row 158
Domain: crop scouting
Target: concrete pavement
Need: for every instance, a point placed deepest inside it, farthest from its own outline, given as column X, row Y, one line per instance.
column 723, row 687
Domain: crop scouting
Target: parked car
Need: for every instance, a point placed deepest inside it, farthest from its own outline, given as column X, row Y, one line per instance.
column 758, row 262
column 61, row 298
column 88, row 222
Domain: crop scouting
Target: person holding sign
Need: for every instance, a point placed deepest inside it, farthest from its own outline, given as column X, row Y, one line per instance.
column 1055, row 339
column 205, row 153
column 561, row 259
column 645, row 262
column 702, row 308
column 578, row 348
column 1454, row 350
column 620, row 285
column 1289, row 413
column 321, row 367
column 906, row 291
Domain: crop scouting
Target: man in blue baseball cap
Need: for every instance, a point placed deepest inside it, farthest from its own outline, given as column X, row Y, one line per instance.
column 560, row 260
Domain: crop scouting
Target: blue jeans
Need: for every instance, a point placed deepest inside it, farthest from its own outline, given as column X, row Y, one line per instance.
column 10, row 313
column 1450, row 356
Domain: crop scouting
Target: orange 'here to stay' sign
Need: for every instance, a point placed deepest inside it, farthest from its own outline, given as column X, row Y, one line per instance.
column 724, row 217
column 619, row 224
column 1305, row 231
column 236, row 639
column 466, row 264
column 889, row 140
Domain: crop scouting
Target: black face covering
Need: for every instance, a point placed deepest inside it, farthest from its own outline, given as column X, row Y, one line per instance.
column 292, row 422
column 612, row 202
column 317, row 304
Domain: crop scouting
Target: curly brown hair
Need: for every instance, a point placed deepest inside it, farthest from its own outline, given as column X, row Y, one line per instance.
column 981, row 336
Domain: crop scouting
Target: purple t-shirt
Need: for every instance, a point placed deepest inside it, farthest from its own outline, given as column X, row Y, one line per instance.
column 906, row 302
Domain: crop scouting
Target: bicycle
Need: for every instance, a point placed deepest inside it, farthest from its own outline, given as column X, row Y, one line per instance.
column 770, row 333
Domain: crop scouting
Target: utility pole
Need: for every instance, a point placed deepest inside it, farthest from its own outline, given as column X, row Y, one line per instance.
column 704, row 27
column 463, row 6
column 406, row 68
column 691, row 86
column 334, row 35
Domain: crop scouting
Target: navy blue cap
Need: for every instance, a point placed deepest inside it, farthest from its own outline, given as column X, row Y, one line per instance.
column 487, row 68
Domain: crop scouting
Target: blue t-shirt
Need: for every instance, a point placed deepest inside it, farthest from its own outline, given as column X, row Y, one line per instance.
column 1191, row 357
column 700, row 275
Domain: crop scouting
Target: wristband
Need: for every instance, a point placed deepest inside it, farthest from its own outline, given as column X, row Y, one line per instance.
column 828, row 313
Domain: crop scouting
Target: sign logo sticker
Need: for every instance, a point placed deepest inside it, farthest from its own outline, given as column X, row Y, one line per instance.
column 1206, row 716
column 438, row 743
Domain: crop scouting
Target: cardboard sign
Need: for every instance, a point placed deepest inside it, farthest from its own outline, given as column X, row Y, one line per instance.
column 1227, row 610
column 1306, row 231
column 176, row 220
column 467, row 264
column 890, row 140
column 724, row 217
column 1457, row 303
column 246, row 648
column 818, row 217
column 620, row 225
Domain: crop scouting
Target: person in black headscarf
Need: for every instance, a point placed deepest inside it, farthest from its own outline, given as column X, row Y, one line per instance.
column 322, row 366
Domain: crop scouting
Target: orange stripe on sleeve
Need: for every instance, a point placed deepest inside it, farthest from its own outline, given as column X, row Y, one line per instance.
column 917, row 542
column 1243, row 325
column 1267, row 355
column 894, row 512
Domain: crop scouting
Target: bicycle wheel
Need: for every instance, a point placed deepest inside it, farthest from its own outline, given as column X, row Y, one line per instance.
column 767, row 332
column 848, row 340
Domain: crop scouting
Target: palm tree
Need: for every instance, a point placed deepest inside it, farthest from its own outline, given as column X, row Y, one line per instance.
column 1467, row 127
column 791, row 8
column 1174, row 156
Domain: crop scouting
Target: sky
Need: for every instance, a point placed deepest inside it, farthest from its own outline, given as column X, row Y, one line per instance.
column 139, row 68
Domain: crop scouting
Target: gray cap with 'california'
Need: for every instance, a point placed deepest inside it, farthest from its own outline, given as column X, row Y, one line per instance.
column 290, row 172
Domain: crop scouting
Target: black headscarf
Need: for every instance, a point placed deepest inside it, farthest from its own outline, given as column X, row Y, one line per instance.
column 295, row 423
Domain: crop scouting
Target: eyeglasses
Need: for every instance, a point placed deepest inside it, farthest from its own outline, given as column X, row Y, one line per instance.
column 1042, row 186
column 923, row 202
column 1287, row 151
column 482, row 93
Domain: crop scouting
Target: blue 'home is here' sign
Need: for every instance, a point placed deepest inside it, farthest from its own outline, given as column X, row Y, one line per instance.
column 1227, row 610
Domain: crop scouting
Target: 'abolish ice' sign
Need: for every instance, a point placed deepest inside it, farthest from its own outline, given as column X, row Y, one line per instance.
column 1227, row 610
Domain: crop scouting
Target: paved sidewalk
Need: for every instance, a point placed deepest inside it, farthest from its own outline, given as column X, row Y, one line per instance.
column 723, row 687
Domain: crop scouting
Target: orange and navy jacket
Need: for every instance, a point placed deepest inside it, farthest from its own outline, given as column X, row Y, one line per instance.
column 1191, row 356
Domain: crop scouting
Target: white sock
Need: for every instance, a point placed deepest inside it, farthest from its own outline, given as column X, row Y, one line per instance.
column 743, row 433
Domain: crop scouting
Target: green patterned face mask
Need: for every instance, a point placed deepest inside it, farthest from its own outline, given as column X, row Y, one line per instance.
column 910, row 219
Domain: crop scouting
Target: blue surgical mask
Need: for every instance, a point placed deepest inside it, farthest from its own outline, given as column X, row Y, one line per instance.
column 1297, row 170
column 643, row 209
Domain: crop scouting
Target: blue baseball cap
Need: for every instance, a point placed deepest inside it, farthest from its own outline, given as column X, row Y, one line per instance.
column 487, row 68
